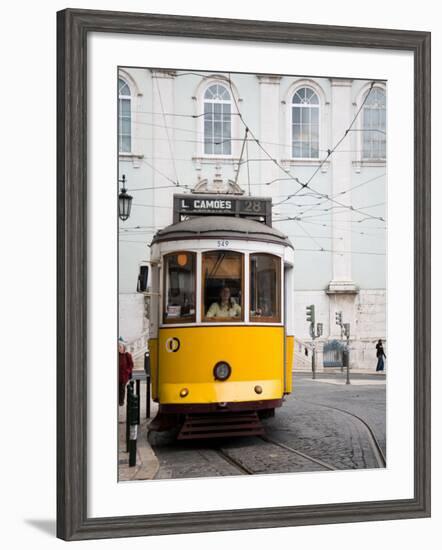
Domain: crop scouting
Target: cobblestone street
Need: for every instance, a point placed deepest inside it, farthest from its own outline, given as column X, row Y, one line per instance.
column 323, row 425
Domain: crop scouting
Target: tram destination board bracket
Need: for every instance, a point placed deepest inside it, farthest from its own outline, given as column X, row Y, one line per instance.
column 255, row 208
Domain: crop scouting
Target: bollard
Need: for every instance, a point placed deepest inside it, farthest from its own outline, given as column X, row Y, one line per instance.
column 148, row 396
column 346, row 361
column 138, row 383
column 314, row 363
column 147, row 371
column 132, row 424
column 129, row 392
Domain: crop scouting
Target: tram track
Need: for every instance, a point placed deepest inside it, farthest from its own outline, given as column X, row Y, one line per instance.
column 366, row 428
column 376, row 448
column 233, row 462
column 261, row 454
column 297, row 452
column 245, row 469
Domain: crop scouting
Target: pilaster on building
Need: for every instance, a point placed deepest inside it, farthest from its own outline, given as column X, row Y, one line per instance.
column 270, row 133
column 163, row 139
column 342, row 289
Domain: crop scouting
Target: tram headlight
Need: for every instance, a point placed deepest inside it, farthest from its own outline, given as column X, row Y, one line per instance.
column 222, row 371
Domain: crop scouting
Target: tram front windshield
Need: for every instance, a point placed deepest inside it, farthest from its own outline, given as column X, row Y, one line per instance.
column 179, row 288
column 222, row 286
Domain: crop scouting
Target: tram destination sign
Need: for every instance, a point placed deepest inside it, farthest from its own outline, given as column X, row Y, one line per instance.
column 259, row 208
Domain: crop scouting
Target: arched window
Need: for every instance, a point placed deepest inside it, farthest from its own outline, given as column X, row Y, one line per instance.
column 124, row 117
column 374, row 125
column 305, row 124
column 217, row 120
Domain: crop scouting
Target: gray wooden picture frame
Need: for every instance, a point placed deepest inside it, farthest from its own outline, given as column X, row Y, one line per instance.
column 73, row 27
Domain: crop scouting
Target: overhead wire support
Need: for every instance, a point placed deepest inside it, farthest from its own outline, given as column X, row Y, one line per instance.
column 241, row 155
column 248, row 167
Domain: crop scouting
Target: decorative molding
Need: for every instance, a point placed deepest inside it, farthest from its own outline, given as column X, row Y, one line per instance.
column 130, row 81
column 307, row 162
column 163, row 73
column 218, row 186
column 214, row 159
column 342, row 287
column 269, row 79
column 136, row 158
column 358, row 165
column 341, row 82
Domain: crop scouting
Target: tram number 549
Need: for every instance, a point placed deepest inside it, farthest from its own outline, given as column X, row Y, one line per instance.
column 223, row 244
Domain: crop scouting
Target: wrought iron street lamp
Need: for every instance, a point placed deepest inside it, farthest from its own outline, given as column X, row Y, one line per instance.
column 124, row 201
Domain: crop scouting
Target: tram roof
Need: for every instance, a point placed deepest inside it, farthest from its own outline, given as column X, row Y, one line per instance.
column 209, row 227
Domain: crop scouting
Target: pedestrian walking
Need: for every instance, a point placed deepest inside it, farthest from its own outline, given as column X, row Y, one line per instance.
column 125, row 367
column 380, row 354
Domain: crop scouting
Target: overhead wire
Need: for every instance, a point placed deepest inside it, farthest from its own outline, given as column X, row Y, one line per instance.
column 345, row 229
column 303, row 185
column 175, row 183
column 338, row 143
column 327, row 211
column 200, row 133
column 286, row 171
column 167, row 131
column 348, row 190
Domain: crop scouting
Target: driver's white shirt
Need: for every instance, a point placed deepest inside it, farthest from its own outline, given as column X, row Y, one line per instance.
column 226, row 310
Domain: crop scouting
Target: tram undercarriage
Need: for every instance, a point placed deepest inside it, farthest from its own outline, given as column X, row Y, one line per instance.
column 214, row 420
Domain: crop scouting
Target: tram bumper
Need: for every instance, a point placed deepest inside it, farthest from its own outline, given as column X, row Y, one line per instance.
column 221, row 393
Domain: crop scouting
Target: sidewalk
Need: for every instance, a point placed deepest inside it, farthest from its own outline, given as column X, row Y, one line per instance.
column 147, row 464
column 338, row 371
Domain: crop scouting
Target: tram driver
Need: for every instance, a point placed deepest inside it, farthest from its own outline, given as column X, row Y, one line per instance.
column 225, row 306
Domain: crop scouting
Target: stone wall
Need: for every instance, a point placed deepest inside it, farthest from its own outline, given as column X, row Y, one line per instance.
column 366, row 313
column 132, row 323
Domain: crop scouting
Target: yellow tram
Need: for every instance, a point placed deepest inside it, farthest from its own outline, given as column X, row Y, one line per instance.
column 221, row 329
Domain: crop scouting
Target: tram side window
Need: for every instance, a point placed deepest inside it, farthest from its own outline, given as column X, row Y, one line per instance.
column 179, row 288
column 222, row 286
column 265, row 288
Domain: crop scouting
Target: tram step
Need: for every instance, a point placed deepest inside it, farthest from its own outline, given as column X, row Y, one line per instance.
column 200, row 426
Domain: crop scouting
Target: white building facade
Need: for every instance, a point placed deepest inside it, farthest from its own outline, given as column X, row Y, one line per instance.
column 316, row 146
